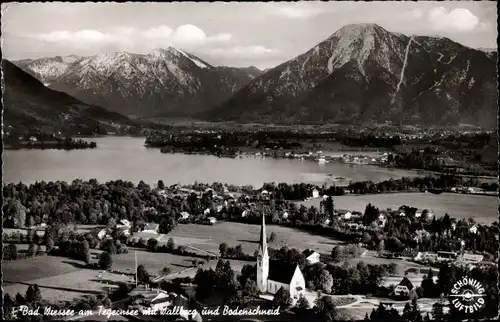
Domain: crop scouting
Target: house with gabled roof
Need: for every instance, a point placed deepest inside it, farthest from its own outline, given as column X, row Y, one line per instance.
column 405, row 288
column 151, row 228
column 312, row 257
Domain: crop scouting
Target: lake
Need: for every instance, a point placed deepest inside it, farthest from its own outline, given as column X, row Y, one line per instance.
column 126, row 158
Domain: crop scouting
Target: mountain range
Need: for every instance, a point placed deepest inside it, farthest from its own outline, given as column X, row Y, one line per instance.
column 360, row 74
column 30, row 106
column 363, row 73
column 164, row 82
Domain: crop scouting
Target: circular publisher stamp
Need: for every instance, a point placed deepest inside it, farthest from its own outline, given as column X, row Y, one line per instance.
column 467, row 295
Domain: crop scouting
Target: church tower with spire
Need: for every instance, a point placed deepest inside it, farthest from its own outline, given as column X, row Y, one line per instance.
column 262, row 259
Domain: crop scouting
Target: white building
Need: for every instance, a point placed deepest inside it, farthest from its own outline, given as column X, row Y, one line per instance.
column 404, row 288
column 273, row 275
column 315, row 193
column 151, row 228
column 312, row 257
column 102, row 233
column 126, row 223
column 345, row 214
column 184, row 215
column 473, row 229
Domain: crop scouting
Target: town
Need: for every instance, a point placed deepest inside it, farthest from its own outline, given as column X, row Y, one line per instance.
column 402, row 257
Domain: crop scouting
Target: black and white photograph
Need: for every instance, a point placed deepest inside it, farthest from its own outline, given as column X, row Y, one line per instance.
column 250, row 161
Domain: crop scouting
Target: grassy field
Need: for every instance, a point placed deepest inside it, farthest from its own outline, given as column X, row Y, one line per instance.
column 482, row 208
column 210, row 237
column 153, row 262
column 59, row 278
column 38, row 267
column 70, row 285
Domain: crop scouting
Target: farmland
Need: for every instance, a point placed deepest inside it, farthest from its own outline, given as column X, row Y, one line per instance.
column 59, row 278
column 210, row 237
column 482, row 208
column 62, row 278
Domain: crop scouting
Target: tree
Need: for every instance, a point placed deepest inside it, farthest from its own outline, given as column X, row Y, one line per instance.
column 105, row 261
column 325, row 281
column 251, row 288
column 111, row 223
column 272, row 237
column 86, row 252
column 282, row 298
column 20, row 300
column 329, row 206
column 161, row 185
column 381, row 247
column 8, row 306
column 165, row 271
column 437, row 310
column 152, row 244
column 6, row 253
column 31, row 250
column 109, row 246
column 142, row 275
column 30, row 294
column 428, row 285
column 303, row 303
column 223, row 249
column 49, row 244
column 37, row 294
column 171, row 244
column 371, row 214
column 325, row 308
column 13, row 251
column 337, row 254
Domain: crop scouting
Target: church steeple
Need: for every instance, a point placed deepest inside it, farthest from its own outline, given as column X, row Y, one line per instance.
column 263, row 235
column 262, row 258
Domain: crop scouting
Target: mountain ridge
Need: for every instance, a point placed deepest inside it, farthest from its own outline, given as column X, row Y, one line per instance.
column 364, row 73
column 30, row 105
column 163, row 82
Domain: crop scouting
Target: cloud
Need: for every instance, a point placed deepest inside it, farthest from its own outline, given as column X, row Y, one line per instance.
column 459, row 19
column 126, row 38
column 253, row 52
column 414, row 14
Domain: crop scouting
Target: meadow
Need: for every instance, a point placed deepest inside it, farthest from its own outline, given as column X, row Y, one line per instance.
column 484, row 209
column 209, row 238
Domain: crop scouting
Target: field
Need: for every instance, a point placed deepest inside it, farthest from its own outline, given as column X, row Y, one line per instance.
column 372, row 259
column 59, row 278
column 210, row 237
column 28, row 269
column 482, row 208
column 63, row 278
column 153, row 262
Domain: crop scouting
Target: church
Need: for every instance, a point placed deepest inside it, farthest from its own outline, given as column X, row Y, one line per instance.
column 272, row 275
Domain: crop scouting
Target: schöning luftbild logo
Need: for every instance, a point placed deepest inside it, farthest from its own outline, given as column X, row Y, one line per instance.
column 468, row 295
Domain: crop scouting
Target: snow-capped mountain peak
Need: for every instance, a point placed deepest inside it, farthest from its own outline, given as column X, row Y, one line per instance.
column 162, row 81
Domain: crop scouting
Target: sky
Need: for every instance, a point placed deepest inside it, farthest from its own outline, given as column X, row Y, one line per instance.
column 231, row 34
